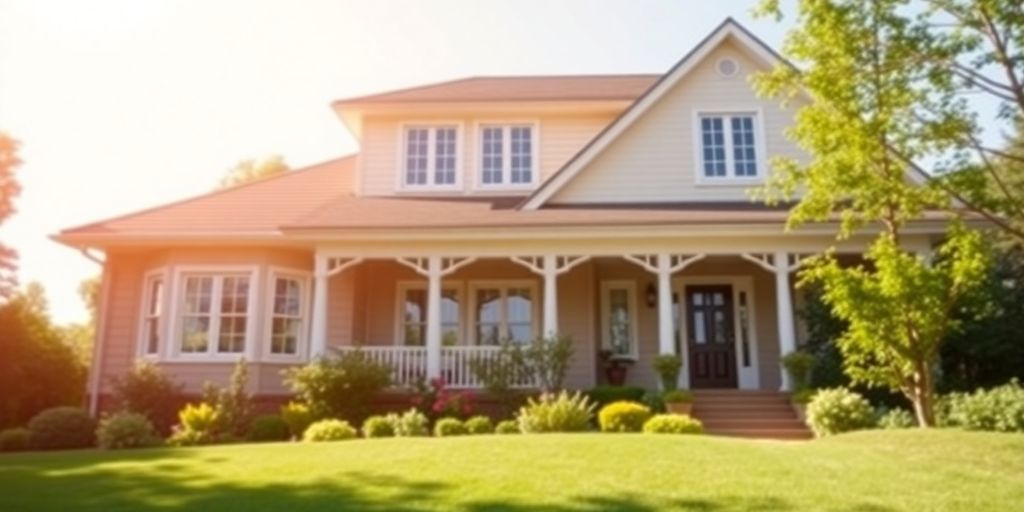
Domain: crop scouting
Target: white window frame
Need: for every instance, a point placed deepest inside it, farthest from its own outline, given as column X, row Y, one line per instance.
column 504, row 285
column 506, row 155
column 432, row 126
column 177, row 311
column 148, row 279
column 402, row 287
column 730, row 177
column 606, row 288
column 306, row 295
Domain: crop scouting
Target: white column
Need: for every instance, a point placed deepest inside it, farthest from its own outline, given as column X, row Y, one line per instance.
column 318, row 343
column 666, row 336
column 550, row 295
column 433, row 317
column 784, row 309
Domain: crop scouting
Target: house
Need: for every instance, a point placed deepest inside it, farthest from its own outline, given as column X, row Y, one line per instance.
column 613, row 209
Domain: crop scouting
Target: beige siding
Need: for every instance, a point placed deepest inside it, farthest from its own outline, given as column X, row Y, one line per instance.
column 655, row 159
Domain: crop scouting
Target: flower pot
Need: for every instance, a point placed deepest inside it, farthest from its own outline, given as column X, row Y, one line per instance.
column 684, row 408
column 616, row 375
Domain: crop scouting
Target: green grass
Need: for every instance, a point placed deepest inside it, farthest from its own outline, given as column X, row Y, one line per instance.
column 871, row 471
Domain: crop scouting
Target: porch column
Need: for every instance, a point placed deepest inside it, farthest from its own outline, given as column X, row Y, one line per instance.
column 666, row 334
column 318, row 335
column 784, row 310
column 433, row 273
column 550, row 271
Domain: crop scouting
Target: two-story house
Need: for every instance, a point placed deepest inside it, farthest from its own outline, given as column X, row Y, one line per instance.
column 612, row 209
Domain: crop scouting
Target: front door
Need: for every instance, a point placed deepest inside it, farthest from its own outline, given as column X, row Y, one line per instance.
column 711, row 336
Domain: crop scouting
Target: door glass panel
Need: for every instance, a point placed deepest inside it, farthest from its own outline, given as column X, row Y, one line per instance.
column 719, row 299
column 618, row 321
column 699, row 333
column 719, row 328
column 698, row 299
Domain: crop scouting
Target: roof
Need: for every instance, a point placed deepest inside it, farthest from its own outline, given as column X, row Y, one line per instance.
column 518, row 88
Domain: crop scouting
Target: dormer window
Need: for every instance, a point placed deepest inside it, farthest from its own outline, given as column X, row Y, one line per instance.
column 507, row 156
column 729, row 147
column 431, row 157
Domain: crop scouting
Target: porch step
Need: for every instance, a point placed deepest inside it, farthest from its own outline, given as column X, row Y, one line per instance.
column 752, row 414
column 782, row 434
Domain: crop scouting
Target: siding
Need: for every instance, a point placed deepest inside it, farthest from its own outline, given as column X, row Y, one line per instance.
column 655, row 159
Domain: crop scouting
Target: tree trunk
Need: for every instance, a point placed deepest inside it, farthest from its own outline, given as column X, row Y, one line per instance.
column 924, row 396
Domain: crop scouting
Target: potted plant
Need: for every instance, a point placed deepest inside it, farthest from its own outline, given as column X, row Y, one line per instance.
column 678, row 401
column 667, row 366
column 614, row 367
column 798, row 365
column 799, row 401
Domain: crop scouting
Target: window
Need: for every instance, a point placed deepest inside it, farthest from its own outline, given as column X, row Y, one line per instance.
column 503, row 312
column 431, row 155
column 507, row 156
column 618, row 317
column 287, row 315
column 215, row 314
column 413, row 315
column 152, row 310
column 728, row 146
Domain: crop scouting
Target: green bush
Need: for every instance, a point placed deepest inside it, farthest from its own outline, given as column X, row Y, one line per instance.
column 623, row 417
column 804, row 396
column 197, row 425
column 380, row 426
column 233, row 403
column 507, row 427
column 672, row 424
column 548, row 359
column 1000, row 409
column 798, row 365
column 341, row 386
column 62, row 428
column 479, row 425
column 126, row 430
column 446, row 427
column 556, row 413
column 604, row 395
column 147, row 390
column 269, row 427
column 668, row 366
column 297, row 416
column 15, row 440
column 329, row 430
column 677, row 396
column 896, row 419
column 838, row 410
column 654, row 401
column 412, row 423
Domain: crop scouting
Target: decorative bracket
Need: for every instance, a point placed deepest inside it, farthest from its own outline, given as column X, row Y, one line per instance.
column 676, row 262
column 421, row 264
column 562, row 265
column 767, row 260
column 337, row 265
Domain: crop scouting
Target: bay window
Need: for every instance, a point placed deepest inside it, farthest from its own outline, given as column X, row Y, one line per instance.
column 215, row 311
column 287, row 314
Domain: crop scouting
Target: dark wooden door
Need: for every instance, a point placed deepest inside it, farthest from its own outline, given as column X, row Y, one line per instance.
column 711, row 336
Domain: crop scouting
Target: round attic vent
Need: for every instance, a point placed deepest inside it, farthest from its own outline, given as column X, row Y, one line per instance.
column 727, row 67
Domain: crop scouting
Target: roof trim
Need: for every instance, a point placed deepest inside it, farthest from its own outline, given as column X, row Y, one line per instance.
column 728, row 28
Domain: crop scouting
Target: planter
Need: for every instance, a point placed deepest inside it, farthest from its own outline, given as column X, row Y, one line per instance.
column 801, row 411
column 684, row 408
column 615, row 374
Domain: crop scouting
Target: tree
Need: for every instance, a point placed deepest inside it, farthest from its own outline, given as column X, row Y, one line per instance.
column 863, row 129
column 252, row 170
column 81, row 336
column 9, row 189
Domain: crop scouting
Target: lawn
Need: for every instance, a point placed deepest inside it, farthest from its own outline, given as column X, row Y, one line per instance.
column 871, row 471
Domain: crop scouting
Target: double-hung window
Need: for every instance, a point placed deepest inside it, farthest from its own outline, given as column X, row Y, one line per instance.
column 413, row 315
column 619, row 317
column 728, row 146
column 430, row 156
column 503, row 312
column 287, row 315
column 215, row 313
column 507, row 155
column 152, row 311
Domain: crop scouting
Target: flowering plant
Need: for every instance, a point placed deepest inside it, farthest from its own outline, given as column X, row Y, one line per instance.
column 437, row 400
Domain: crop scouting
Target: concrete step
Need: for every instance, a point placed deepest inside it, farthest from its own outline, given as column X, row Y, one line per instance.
column 762, row 433
column 729, row 408
column 752, row 423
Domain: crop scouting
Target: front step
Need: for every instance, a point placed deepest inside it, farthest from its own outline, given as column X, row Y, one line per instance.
column 752, row 414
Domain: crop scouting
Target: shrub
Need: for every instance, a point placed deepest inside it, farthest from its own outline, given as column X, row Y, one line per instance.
column 269, row 427
column 604, row 395
column 556, row 413
column 507, row 427
column 197, row 425
column 623, row 417
column 126, row 430
column 297, row 416
column 147, row 390
column 329, row 430
column 677, row 396
column 380, row 426
column 15, row 439
column 339, row 386
column 804, row 396
column 479, row 425
column 667, row 366
column 548, row 359
column 233, row 404
column 412, row 423
column 1000, row 409
column 896, row 419
column 798, row 365
column 62, row 428
column 503, row 370
column 446, row 427
column 672, row 424
column 838, row 410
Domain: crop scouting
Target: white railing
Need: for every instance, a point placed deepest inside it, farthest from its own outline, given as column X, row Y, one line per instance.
column 408, row 364
column 457, row 366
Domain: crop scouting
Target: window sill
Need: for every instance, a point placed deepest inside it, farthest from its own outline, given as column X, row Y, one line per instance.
column 729, row 182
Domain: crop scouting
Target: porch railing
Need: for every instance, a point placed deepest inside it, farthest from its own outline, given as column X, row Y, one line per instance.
column 457, row 366
column 409, row 364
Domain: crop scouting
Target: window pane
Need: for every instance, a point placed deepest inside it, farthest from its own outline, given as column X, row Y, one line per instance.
column 449, row 318
column 620, row 336
column 152, row 336
column 195, row 335
column 416, row 150
column 198, row 294
column 522, row 154
column 488, row 305
column 520, row 333
column 415, row 306
column 444, row 156
column 699, row 329
column 232, row 334
column 285, row 336
column 713, row 139
column 492, row 155
column 415, row 335
column 287, row 297
column 720, row 329
column 155, row 296
column 520, row 305
column 744, row 155
column 235, row 295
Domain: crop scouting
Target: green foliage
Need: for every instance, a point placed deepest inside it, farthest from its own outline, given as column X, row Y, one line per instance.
column 197, row 425
column 556, row 413
column 1000, row 409
column 672, row 424
column 297, row 416
column 412, row 423
column 15, row 439
column 380, row 426
column 668, row 366
column 501, row 371
column 341, row 386
column 329, row 430
column 9, row 189
column 604, row 395
column 677, row 396
column 147, row 390
column 62, row 428
column 268, row 427
column 654, row 401
column 507, row 427
column 804, row 396
column 125, row 429
column 250, row 170
column 549, row 359
column 838, row 410
column 623, row 417
column 233, row 404
column 896, row 419
column 798, row 365
column 446, row 427
column 478, row 425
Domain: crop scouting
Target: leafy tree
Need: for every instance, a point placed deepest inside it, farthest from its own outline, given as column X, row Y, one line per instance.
column 252, row 170
column 9, row 189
